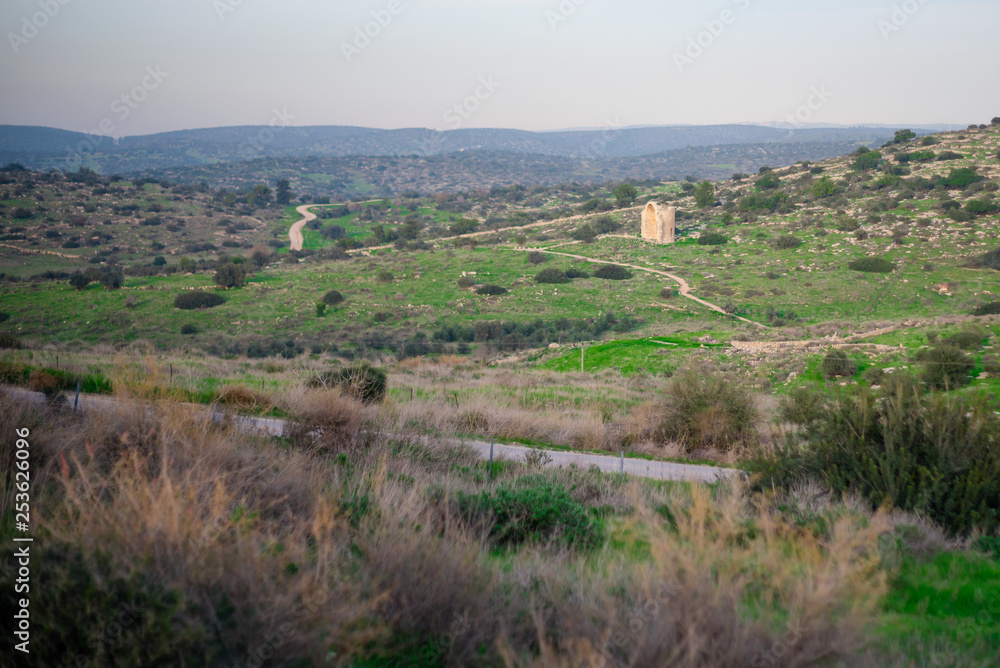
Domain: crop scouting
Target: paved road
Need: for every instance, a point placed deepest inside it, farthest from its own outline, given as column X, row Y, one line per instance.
column 640, row 468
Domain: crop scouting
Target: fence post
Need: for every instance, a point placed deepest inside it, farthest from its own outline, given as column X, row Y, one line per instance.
column 583, row 351
column 76, row 401
column 491, row 459
column 623, row 466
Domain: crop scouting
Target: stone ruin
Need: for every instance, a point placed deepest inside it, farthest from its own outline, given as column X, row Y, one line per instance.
column 659, row 223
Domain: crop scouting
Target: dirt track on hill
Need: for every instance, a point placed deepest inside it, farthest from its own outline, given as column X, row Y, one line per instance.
column 685, row 289
column 297, row 239
column 295, row 235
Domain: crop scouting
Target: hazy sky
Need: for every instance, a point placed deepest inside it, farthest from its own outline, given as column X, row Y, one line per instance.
column 530, row 64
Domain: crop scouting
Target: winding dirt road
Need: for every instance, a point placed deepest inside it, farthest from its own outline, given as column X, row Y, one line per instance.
column 297, row 239
column 685, row 289
column 295, row 235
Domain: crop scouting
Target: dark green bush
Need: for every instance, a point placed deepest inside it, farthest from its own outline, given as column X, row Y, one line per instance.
column 872, row 265
column 363, row 382
column 706, row 408
column 552, row 275
column 802, row 405
column 837, row 364
column 9, row 341
column 712, row 239
column 945, row 366
column 534, row 510
column 189, row 329
column 920, row 452
column 4, row 316
column 332, row 298
column 960, row 178
column 584, row 233
column 982, row 207
column 993, row 308
column 572, row 273
column 385, row 277
column 492, row 290
column 787, row 242
column 97, row 617
column 769, row 181
column 605, row 225
column 763, row 203
column 867, row 160
column 230, row 275
column 196, row 299
column 968, row 339
column 613, row 272
column 991, row 260
column 535, row 257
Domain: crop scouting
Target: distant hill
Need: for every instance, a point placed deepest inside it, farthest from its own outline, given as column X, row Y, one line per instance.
column 46, row 148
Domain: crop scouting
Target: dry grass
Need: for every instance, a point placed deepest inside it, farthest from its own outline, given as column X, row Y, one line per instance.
column 370, row 553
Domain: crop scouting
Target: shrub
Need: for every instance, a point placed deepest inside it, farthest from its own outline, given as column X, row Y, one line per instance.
column 625, row 194
column 824, row 187
column 787, row 242
column 492, row 290
column 765, row 203
column 363, row 382
column 801, row 406
column 993, row 308
column 872, row 265
column 991, row 260
column 705, row 408
column 572, row 273
column 866, row 161
column 584, row 233
column 466, row 282
column 552, row 275
column 769, row 181
column 321, row 309
column 230, row 275
column 968, row 339
column 332, row 298
column 945, row 366
column 605, row 224
column 960, row 178
column 9, row 342
column 78, row 280
column 981, row 207
column 613, row 272
column 112, row 278
column 533, row 510
column 712, row 239
column 704, row 194
column 196, row 299
column 918, row 451
column 837, row 364
column 668, row 293
column 4, row 316
column 536, row 257
column 385, row 276
column 189, row 329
